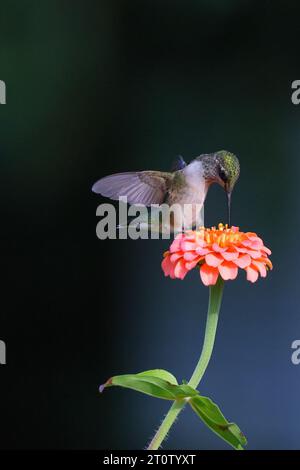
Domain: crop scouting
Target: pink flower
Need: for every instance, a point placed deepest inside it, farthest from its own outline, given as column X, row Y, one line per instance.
column 217, row 251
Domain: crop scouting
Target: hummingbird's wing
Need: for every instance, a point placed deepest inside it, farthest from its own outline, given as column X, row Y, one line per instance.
column 140, row 187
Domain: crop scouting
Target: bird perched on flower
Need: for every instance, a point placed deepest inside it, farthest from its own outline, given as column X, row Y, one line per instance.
column 186, row 184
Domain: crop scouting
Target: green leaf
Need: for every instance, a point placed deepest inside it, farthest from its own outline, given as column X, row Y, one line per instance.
column 161, row 374
column 157, row 383
column 211, row 415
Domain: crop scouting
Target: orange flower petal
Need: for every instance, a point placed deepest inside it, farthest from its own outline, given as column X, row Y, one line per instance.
column 168, row 267
column 243, row 261
column 209, row 275
column 175, row 245
column 175, row 257
column 190, row 255
column 230, row 255
column 202, row 251
column 254, row 242
column 228, row 270
column 261, row 267
column 217, row 248
column 269, row 263
column 266, row 250
column 253, row 253
column 187, row 245
column 252, row 274
column 180, row 270
column 213, row 259
column 191, row 264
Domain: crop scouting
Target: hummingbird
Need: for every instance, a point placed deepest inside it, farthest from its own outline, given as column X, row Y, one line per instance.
column 184, row 184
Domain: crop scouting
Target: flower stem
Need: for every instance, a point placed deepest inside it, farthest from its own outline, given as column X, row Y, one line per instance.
column 215, row 299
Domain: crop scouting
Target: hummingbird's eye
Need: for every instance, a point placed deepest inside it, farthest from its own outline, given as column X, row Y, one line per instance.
column 222, row 174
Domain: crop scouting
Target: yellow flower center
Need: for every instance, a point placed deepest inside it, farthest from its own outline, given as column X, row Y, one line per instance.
column 222, row 236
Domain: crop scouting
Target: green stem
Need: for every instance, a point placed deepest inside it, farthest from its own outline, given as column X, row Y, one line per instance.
column 215, row 299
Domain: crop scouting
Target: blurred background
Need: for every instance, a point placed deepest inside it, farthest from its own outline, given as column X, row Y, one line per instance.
column 100, row 87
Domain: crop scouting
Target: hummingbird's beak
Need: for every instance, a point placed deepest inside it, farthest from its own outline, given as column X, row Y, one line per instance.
column 228, row 206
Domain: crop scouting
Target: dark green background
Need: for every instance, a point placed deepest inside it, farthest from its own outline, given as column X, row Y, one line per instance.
column 96, row 87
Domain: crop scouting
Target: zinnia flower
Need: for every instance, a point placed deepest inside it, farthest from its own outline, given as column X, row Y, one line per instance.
column 217, row 251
